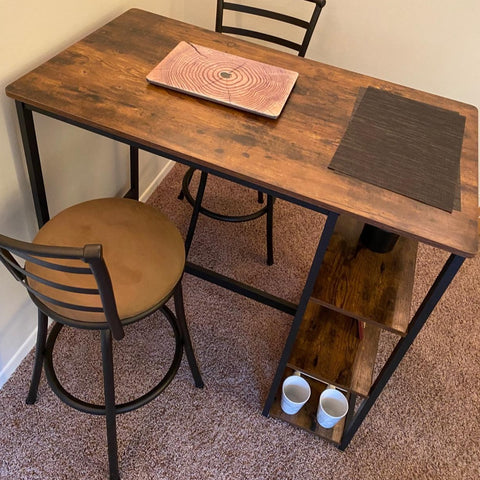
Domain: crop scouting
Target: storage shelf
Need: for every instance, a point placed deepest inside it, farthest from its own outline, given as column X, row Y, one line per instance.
column 371, row 287
column 357, row 294
column 306, row 418
column 329, row 349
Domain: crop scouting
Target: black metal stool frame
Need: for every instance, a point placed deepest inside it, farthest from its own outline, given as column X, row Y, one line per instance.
column 301, row 49
column 113, row 327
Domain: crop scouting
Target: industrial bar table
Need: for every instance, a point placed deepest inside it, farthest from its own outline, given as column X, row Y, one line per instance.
column 99, row 84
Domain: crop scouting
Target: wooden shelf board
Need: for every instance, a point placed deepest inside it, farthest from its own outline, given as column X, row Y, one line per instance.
column 328, row 348
column 306, row 418
column 371, row 287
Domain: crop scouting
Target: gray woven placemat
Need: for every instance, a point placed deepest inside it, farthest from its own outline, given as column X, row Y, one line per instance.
column 405, row 146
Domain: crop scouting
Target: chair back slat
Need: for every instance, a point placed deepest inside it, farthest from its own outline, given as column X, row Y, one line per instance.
column 61, row 286
column 281, row 17
column 262, row 36
column 20, row 274
column 307, row 24
column 58, row 277
column 59, row 303
column 57, row 266
column 11, row 265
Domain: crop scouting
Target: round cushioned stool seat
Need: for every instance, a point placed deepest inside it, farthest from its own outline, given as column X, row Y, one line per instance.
column 143, row 250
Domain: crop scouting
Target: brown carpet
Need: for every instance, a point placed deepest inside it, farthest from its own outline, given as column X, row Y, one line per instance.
column 425, row 425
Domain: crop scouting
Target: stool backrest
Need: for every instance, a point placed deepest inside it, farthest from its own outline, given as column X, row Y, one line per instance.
column 307, row 24
column 39, row 274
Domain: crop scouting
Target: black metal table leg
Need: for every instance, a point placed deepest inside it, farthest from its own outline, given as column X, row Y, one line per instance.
column 32, row 157
column 436, row 291
column 307, row 292
column 270, row 201
column 134, row 191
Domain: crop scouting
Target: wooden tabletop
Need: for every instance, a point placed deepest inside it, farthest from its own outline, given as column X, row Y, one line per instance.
column 100, row 82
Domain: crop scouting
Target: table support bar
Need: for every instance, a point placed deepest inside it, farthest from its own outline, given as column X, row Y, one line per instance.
column 241, row 288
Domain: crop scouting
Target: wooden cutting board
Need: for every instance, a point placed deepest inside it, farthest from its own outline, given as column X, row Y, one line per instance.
column 224, row 78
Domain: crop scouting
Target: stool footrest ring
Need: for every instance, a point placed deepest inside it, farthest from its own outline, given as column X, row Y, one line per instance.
column 215, row 215
column 96, row 409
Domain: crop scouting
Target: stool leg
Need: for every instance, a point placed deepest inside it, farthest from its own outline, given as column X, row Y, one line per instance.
column 187, row 178
column 187, row 342
column 260, row 197
column 269, row 230
column 39, row 349
column 181, row 195
column 196, row 211
column 110, row 409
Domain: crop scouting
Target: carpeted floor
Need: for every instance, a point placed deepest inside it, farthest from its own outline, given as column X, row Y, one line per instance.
column 425, row 424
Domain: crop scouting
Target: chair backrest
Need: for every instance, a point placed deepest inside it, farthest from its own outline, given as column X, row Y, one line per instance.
column 307, row 25
column 51, row 274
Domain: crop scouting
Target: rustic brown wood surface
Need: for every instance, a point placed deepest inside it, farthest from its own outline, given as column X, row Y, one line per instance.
column 100, row 81
column 328, row 348
column 371, row 287
column 224, row 78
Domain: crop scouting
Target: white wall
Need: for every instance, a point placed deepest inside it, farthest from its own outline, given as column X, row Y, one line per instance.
column 431, row 45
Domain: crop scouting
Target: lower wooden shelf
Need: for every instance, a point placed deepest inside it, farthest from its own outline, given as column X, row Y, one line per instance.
column 329, row 349
column 306, row 418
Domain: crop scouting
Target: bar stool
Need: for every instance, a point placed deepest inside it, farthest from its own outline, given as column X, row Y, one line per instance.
column 101, row 265
column 255, row 31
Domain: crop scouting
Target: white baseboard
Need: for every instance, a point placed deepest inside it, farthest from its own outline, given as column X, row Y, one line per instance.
column 17, row 358
column 156, row 181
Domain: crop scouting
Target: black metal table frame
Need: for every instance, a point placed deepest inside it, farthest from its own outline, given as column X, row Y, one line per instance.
column 354, row 419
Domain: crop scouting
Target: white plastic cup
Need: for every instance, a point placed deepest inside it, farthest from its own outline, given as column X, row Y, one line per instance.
column 295, row 393
column 332, row 407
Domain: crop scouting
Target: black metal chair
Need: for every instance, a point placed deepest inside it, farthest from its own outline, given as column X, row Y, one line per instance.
column 306, row 26
column 102, row 265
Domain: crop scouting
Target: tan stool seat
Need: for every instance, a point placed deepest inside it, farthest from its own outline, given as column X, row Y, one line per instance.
column 143, row 250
